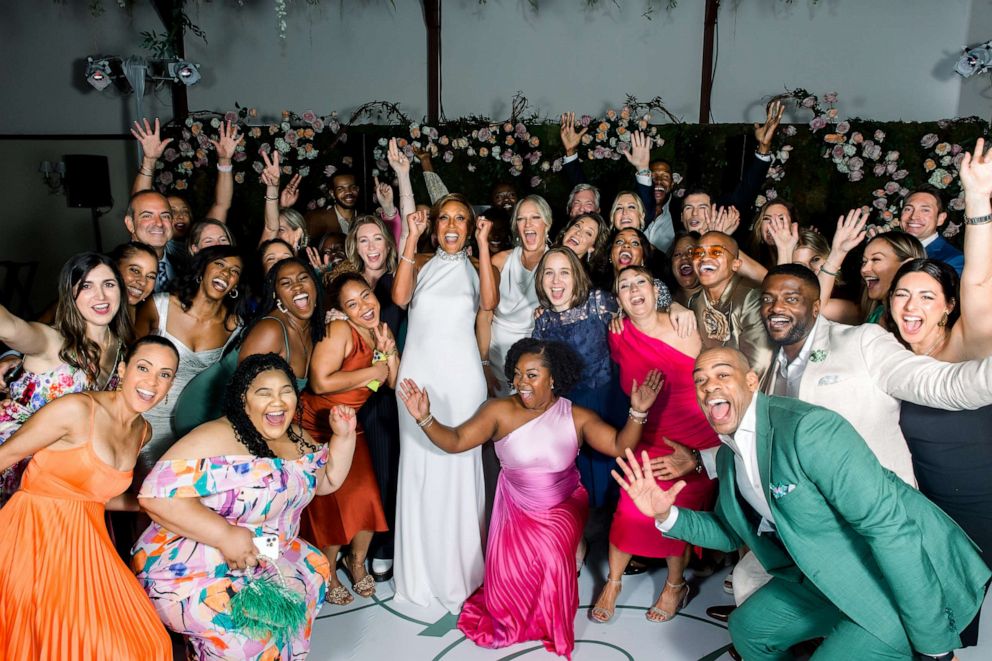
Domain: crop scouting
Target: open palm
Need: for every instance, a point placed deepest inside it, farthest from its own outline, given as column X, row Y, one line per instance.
column 640, row 485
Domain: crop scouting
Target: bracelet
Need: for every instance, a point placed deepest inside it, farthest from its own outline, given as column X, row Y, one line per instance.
column 405, row 195
column 272, row 198
column 824, row 269
column 978, row 220
column 485, row 363
column 224, row 168
column 145, row 172
column 640, row 421
column 407, row 260
column 640, row 415
column 643, row 172
column 426, row 422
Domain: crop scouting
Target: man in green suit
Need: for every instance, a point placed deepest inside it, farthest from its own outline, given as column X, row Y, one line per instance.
column 856, row 555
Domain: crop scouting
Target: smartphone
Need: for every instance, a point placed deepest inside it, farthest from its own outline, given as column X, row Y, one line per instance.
column 268, row 546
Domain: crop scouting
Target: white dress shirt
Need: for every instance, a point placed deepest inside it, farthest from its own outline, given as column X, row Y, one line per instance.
column 744, row 444
column 791, row 374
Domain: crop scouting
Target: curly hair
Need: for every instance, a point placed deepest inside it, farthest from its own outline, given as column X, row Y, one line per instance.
column 565, row 364
column 187, row 285
column 77, row 349
column 269, row 297
column 235, row 398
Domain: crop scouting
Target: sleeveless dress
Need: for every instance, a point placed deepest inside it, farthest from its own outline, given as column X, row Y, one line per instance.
column 952, row 461
column 675, row 415
column 439, row 495
column 191, row 363
column 28, row 393
column 530, row 590
column 514, row 316
column 333, row 520
column 189, row 583
column 64, row 592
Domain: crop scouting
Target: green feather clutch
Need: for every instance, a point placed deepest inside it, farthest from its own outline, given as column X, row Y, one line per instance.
column 267, row 606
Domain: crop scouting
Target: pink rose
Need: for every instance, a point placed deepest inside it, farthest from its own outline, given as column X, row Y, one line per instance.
column 899, row 174
column 879, row 169
column 929, row 140
column 818, row 123
column 809, row 101
column 309, row 117
column 879, row 135
column 891, row 188
column 585, row 120
column 830, row 97
column 880, row 203
column 231, row 116
column 843, row 127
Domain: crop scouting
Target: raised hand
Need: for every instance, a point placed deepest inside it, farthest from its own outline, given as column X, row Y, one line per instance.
column 570, row 138
column 384, row 195
column 152, row 144
column 227, row 142
column 270, row 171
column 850, row 232
column 482, row 228
column 319, row 262
column 785, row 234
column 642, row 396
column 291, row 193
column 764, row 133
column 384, row 340
column 639, row 153
column 672, row 466
column 397, row 159
column 416, row 222
column 708, row 213
column 644, row 492
column 416, row 400
column 976, row 172
column 343, row 420
column 724, row 219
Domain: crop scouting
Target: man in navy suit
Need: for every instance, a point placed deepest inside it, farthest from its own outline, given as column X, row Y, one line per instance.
column 922, row 213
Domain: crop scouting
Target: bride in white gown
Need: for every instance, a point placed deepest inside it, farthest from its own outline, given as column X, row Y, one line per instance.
column 440, row 497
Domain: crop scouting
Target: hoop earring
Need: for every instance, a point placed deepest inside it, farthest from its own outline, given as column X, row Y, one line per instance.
column 233, row 293
column 281, row 307
column 199, row 279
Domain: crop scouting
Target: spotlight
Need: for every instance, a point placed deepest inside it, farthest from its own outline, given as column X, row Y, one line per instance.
column 98, row 72
column 185, row 72
column 977, row 59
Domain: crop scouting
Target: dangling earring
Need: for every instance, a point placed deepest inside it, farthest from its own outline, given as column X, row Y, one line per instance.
column 233, row 293
column 552, row 384
column 281, row 307
column 165, row 400
column 943, row 321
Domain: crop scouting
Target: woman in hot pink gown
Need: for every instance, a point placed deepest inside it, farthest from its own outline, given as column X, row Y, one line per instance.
column 530, row 591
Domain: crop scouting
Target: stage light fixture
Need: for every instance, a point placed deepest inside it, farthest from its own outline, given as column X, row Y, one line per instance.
column 185, row 72
column 98, row 73
column 977, row 59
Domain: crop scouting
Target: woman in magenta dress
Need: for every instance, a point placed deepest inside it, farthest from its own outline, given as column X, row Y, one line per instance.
column 648, row 342
column 530, row 590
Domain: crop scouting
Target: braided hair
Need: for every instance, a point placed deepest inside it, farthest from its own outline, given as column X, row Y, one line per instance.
column 236, row 394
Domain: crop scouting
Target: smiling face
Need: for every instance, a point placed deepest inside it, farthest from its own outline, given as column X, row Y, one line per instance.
column 345, row 191
column 627, row 213
column 531, row 228
column 147, row 376
column 581, row 237
column 637, row 294
column 694, row 210
column 371, row 246
column 359, row 303
column 270, row 403
column 626, row 250
column 921, row 215
column 504, row 196
column 139, row 271
column 685, row 275
column 182, row 217
column 452, row 226
column 274, row 252
column 220, row 277
column 918, row 306
column 532, row 381
column 151, row 222
column 714, row 259
column 661, row 177
column 210, row 235
column 98, row 296
column 772, row 212
column 724, row 388
column 789, row 307
column 558, row 282
column 583, row 201
column 878, row 265
column 296, row 289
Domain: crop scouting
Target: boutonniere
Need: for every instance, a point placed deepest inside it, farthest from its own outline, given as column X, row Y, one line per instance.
column 818, row 355
column 781, row 490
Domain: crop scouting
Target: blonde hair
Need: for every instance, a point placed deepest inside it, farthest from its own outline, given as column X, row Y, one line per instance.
column 542, row 207
column 637, row 202
column 351, row 243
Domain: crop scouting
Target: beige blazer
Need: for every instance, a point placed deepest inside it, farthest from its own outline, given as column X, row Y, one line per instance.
column 741, row 302
column 863, row 373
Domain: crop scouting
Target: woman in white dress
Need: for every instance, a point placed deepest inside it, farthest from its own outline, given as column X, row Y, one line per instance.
column 439, row 528
column 513, row 318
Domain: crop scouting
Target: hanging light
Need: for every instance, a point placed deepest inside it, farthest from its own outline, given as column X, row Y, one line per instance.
column 977, row 59
column 98, row 72
column 185, row 72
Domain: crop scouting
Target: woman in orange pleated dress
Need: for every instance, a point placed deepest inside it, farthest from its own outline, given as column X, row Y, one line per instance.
column 65, row 595
column 356, row 357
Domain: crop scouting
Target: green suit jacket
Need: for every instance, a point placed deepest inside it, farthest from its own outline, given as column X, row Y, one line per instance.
column 887, row 557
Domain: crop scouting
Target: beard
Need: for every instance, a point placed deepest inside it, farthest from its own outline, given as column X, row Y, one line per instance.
column 798, row 332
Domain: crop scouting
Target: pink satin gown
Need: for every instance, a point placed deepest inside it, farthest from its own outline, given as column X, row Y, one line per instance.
column 530, row 590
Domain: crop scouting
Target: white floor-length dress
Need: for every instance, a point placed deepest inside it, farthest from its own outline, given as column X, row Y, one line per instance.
column 514, row 318
column 440, row 496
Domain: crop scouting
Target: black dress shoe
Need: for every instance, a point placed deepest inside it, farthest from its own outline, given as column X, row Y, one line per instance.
column 734, row 654
column 720, row 613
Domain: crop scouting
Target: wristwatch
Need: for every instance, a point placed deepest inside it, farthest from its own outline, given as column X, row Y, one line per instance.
column 978, row 220
column 699, row 461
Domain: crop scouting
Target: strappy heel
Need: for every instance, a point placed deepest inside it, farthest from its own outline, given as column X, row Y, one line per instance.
column 604, row 615
column 661, row 615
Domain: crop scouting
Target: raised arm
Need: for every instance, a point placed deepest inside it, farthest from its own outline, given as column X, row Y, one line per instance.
column 785, row 234
column 326, row 375
column 152, row 147
column 570, row 140
column 639, row 156
column 406, row 272
column 27, row 337
column 401, row 165
column 341, row 449
column 388, row 213
column 435, row 185
column 225, row 144
column 270, row 177
column 976, row 279
column 850, row 232
column 472, row 433
column 488, row 273
column 604, row 438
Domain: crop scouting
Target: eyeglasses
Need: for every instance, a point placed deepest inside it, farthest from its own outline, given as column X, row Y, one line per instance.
column 713, row 252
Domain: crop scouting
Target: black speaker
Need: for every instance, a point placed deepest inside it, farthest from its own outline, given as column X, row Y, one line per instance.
column 87, row 181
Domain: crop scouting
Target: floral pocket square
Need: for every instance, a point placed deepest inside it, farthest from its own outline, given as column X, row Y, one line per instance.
column 781, row 490
column 827, row 380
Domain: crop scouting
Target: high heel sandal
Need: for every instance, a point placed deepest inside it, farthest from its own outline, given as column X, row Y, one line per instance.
column 663, row 615
column 604, row 615
column 363, row 588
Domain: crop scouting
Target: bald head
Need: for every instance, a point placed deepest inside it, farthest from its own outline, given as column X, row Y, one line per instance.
column 725, row 386
column 719, row 238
